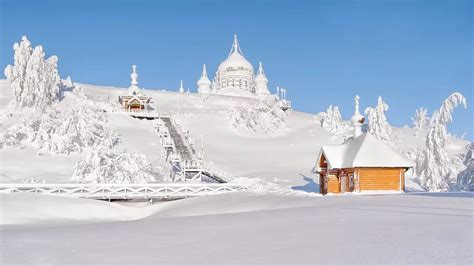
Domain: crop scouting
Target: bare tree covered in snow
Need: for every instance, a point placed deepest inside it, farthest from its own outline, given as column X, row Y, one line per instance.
column 435, row 168
column 378, row 124
column 104, row 164
column 261, row 119
column 421, row 120
column 331, row 120
column 34, row 79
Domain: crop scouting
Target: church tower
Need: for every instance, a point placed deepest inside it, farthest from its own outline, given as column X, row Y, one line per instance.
column 204, row 84
column 261, row 81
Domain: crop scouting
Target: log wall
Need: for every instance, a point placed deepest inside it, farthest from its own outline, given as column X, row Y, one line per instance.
column 381, row 178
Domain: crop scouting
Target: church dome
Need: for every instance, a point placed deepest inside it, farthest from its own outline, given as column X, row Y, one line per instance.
column 235, row 75
column 235, row 61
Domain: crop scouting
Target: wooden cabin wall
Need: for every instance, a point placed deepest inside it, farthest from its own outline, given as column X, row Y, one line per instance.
column 381, row 178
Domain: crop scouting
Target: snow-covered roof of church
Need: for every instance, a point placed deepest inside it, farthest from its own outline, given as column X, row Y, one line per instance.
column 363, row 151
column 236, row 59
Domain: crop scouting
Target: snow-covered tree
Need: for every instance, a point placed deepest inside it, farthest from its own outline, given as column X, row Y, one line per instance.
column 261, row 119
column 113, row 165
column 378, row 125
column 34, row 79
column 331, row 120
column 466, row 178
column 435, row 168
column 60, row 131
column 421, row 120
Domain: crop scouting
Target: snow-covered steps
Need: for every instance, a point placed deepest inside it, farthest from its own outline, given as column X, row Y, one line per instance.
column 125, row 191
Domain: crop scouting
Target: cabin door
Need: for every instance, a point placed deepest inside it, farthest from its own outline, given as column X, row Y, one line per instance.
column 343, row 183
column 323, row 184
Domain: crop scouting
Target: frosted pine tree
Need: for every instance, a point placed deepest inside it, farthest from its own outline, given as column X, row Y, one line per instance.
column 332, row 120
column 34, row 79
column 421, row 120
column 378, row 124
column 436, row 170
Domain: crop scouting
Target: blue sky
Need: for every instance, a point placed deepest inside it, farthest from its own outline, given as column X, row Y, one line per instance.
column 412, row 53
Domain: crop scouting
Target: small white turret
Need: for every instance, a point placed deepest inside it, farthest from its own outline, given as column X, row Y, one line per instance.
column 133, row 89
column 204, row 84
column 357, row 119
column 181, row 89
column 261, row 81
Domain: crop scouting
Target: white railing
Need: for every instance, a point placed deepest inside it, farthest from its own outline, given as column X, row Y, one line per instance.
column 137, row 112
column 124, row 191
column 285, row 103
column 215, row 171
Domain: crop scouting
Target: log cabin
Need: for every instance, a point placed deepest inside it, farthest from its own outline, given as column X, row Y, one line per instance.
column 362, row 163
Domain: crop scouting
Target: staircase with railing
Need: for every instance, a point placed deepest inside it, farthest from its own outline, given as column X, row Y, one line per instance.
column 185, row 164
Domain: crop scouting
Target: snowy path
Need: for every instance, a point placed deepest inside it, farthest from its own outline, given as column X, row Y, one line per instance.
column 408, row 228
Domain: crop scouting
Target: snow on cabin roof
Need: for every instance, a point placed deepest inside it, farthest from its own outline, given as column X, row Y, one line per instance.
column 363, row 151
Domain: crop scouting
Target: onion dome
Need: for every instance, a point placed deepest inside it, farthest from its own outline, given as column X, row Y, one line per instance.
column 261, row 81
column 236, row 60
column 357, row 118
column 204, row 84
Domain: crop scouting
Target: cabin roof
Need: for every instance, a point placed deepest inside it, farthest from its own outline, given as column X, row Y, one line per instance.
column 363, row 151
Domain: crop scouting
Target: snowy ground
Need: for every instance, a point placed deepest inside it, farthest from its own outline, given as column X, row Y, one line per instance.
column 284, row 221
column 248, row 228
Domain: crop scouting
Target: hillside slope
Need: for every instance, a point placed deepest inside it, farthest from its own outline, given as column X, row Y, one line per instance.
column 286, row 159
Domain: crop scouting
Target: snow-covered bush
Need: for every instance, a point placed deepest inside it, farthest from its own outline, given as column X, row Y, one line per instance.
column 436, row 170
column 60, row 131
column 331, row 120
column 421, row 120
column 104, row 164
column 260, row 119
column 378, row 125
column 34, row 79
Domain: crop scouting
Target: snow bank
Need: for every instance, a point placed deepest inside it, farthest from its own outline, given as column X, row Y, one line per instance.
column 39, row 210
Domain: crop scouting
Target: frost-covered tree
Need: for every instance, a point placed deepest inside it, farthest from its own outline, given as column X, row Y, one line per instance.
column 113, row 165
column 34, row 79
column 466, row 178
column 435, row 168
column 331, row 120
column 421, row 120
column 261, row 119
column 60, row 131
column 378, row 124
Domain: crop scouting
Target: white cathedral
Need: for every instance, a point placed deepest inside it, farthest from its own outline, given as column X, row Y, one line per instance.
column 235, row 76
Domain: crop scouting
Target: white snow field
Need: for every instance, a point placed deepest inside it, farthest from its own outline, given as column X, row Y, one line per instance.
column 247, row 228
column 282, row 219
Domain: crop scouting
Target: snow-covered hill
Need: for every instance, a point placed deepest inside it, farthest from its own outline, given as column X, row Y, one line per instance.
column 286, row 158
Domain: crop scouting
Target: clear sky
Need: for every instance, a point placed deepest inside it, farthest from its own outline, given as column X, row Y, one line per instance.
column 412, row 53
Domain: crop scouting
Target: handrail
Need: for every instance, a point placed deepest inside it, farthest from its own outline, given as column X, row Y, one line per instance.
column 123, row 191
